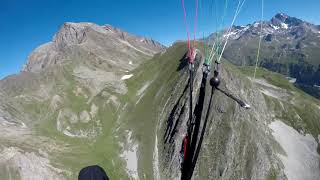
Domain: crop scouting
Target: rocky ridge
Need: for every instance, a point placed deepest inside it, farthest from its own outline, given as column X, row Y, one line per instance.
column 290, row 46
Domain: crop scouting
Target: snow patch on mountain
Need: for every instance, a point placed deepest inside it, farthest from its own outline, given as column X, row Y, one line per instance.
column 275, row 27
column 229, row 34
column 301, row 160
column 130, row 155
column 256, row 24
column 245, row 28
column 125, row 77
column 284, row 26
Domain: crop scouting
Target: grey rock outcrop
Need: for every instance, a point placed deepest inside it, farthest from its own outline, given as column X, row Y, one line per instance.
column 107, row 44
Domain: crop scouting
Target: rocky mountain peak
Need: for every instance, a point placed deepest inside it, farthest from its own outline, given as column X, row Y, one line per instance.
column 70, row 34
column 138, row 39
column 101, row 109
column 281, row 16
column 291, row 47
column 283, row 20
column 281, row 24
column 74, row 40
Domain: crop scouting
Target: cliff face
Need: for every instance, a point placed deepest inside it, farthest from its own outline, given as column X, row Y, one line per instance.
column 237, row 142
column 240, row 143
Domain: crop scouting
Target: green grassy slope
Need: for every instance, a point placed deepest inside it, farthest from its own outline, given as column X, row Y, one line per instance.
column 151, row 94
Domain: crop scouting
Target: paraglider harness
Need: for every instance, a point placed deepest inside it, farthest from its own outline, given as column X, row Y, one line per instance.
column 191, row 143
column 191, row 146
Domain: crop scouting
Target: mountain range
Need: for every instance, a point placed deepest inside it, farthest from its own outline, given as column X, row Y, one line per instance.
column 99, row 95
column 290, row 46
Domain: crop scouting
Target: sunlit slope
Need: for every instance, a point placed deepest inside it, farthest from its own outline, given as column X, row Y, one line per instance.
column 289, row 46
column 85, row 117
column 74, row 115
column 241, row 143
column 63, row 111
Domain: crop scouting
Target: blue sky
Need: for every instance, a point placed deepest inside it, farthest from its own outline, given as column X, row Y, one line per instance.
column 30, row 23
